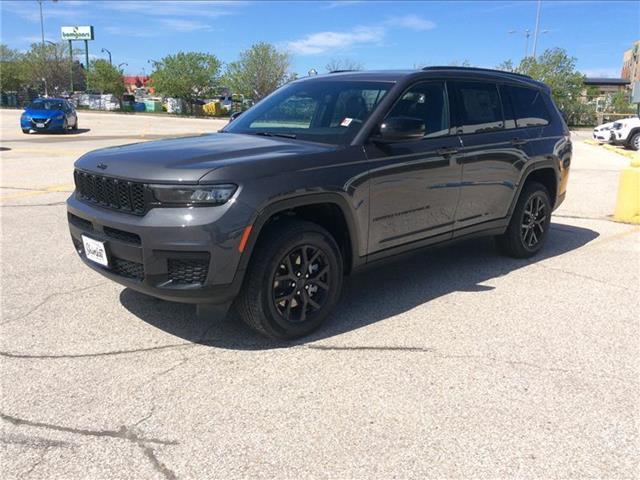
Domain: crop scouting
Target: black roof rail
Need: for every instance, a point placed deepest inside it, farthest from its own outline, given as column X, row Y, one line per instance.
column 342, row 71
column 477, row 69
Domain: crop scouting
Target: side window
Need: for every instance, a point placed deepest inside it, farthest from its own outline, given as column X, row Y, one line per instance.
column 428, row 102
column 478, row 107
column 356, row 104
column 528, row 106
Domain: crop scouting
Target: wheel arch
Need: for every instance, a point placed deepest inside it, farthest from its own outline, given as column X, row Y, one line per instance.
column 545, row 173
column 331, row 211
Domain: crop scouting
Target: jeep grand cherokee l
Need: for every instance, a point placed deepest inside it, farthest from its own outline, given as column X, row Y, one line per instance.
column 322, row 177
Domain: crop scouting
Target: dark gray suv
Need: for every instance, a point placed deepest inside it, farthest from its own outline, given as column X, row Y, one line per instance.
column 322, row 177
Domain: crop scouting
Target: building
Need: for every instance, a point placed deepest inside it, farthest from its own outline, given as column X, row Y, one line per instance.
column 133, row 82
column 630, row 63
column 607, row 86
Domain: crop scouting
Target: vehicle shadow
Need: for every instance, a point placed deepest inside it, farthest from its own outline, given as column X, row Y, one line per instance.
column 369, row 297
column 79, row 131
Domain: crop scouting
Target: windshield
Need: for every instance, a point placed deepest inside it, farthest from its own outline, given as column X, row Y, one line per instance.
column 320, row 111
column 42, row 104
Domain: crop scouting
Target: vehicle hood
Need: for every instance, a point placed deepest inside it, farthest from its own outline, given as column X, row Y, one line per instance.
column 43, row 113
column 187, row 159
column 604, row 126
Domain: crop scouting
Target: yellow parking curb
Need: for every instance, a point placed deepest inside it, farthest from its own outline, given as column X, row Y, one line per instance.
column 628, row 202
column 41, row 191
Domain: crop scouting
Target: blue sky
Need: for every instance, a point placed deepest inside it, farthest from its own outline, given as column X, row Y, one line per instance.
column 376, row 34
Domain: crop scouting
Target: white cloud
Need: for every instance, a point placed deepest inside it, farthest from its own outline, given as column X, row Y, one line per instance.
column 182, row 25
column 209, row 9
column 340, row 3
column 412, row 22
column 602, row 72
column 324, row 41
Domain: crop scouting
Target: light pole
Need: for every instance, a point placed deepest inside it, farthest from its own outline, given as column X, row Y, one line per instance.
column 527, row 34
column 123, row 63
column 535, row 35
column 42, row 20
column 109, row 52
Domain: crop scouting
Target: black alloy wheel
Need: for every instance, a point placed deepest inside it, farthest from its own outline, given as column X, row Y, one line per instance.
column 301, row 284
column 534, row 221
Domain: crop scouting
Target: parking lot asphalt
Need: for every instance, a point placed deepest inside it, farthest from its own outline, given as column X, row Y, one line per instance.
column 453, row 362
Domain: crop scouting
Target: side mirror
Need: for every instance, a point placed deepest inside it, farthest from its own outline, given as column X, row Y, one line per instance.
column 234, row 116
column 401, row 129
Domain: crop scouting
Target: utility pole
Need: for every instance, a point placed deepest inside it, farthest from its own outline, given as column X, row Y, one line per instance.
column 86, row 60
column 535, row 35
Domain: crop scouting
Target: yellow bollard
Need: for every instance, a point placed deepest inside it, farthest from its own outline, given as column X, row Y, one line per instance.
column 628, row 203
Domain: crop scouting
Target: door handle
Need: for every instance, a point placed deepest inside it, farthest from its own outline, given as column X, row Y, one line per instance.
column 517, row 142
column 445, row 152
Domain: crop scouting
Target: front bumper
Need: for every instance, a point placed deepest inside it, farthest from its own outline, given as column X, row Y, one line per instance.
column 178, row 254
column 49, row 124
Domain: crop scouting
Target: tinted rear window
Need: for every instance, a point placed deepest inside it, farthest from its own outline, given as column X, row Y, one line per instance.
column 527, row 106
column 478, row 107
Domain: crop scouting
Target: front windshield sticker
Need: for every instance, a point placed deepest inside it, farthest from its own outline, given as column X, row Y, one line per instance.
column 346, row 122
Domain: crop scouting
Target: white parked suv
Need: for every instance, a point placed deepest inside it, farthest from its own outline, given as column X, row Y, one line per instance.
column 602, row 133
column 626, row 132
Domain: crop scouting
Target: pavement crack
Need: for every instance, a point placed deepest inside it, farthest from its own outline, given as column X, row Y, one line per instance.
column 123, row 433
column 436, row 353
column 370, row 348
column 48, row 298
column 53, row 204
column 584, row 277
column 98, row 354
column 157, row 464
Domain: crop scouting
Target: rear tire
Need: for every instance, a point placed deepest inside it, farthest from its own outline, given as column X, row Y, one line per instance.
column 293, row 282
column 634, row 143
column 529, row 225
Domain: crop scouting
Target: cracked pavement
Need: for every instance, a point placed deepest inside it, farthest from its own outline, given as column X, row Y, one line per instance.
column 451, row 363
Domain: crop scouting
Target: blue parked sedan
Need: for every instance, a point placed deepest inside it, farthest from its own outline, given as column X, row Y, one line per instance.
column 49, row 115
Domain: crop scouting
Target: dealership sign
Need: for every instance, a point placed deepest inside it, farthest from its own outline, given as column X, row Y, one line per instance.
column 77, row 33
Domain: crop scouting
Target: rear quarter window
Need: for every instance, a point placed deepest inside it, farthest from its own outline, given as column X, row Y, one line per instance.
column 478, row 108
column 527, row 106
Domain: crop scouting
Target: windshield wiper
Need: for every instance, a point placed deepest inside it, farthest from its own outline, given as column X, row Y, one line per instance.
column 272, row 134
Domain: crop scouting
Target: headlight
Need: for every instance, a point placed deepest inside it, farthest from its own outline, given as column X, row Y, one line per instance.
column 196, row 195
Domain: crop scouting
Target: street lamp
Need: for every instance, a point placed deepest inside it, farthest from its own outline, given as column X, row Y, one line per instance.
column 527, row 34
column 42, row 20
column 312, row 72
column 123, row 63
column 109, row 52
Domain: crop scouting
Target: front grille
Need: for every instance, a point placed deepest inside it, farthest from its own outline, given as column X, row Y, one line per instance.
column 111, row 192
column 188, row 271
column 122, row 235
column 40, row 120
column 127, row 268
column 80, row 222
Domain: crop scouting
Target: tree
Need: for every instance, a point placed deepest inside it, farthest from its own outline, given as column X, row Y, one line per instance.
column 558, row 70
column 51, row 63
column 259, row 71
column 621, row 103
column 105, row 78
column 343, row 64
column 187, row 75
column 12, row 75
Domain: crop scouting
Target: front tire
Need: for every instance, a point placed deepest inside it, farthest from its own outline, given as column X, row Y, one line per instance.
column 293, row 281
column 529, row 225
column 26, row 131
